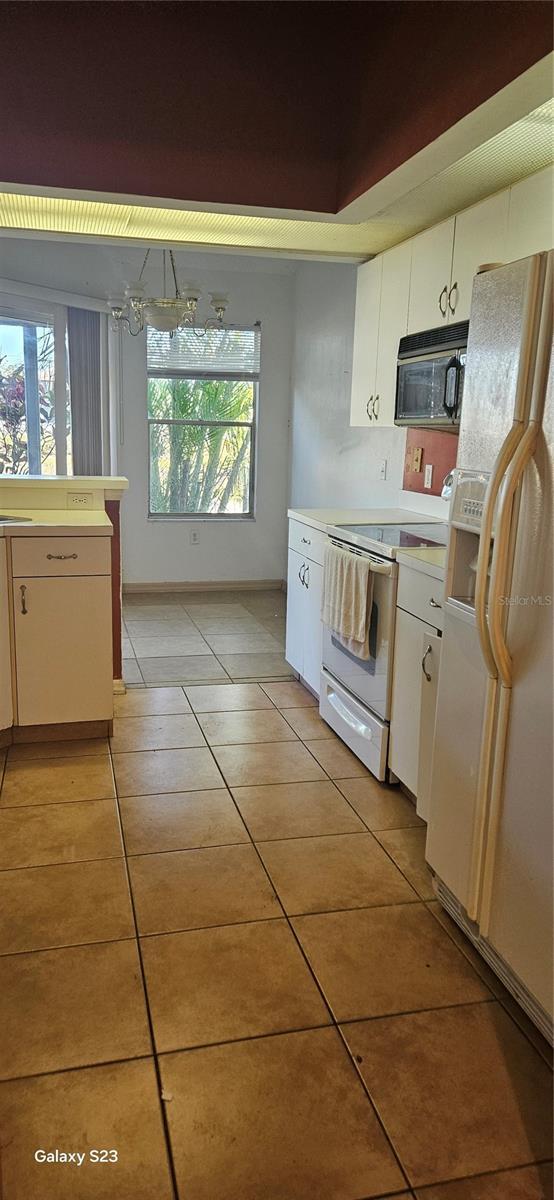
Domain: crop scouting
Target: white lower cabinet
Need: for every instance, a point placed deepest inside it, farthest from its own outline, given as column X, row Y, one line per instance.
column 313, row 627
column 6, row 706
column 294, row 645
column 303, row 641
column 430, row 658
column 63, row 649
column 414, row 690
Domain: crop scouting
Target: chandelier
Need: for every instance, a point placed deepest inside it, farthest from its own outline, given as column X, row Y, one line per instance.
column 165, row 313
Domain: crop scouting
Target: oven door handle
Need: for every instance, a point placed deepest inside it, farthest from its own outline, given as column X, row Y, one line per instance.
column 380, row 569
column 353, row 722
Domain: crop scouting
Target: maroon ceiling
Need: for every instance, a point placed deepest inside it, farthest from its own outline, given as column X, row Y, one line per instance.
column 287, row 105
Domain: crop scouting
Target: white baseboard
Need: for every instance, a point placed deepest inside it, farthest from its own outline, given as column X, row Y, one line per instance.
column 209, row 585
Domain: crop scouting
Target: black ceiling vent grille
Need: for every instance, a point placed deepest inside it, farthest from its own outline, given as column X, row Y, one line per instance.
column 446, row 337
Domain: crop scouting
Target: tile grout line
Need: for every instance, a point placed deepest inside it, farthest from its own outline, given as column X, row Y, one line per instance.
column 333, row 1022
column 162, row 1109
column 500, row 999
column 315, row 979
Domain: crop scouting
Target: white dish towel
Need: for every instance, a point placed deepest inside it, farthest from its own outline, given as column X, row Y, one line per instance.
column 347, row 599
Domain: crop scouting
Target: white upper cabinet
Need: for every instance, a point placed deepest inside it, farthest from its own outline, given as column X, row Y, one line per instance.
column 393, row 324
column 430, row 277
column 427, row 282
column 366, row 341
column 531, row 216
column 480, row 237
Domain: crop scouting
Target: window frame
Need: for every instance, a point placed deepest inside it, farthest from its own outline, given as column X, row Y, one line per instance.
column 231, row 376
column 20, row 309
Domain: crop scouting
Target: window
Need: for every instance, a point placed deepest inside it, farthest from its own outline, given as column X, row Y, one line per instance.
column 202, row 400
column 35, row 435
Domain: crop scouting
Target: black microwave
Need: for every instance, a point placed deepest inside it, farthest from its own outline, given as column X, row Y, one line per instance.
column 430, row 377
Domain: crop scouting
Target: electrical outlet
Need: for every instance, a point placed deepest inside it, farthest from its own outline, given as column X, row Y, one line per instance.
column 383, row 469
column 194, row 537
column 428, row 476
column 80, row 499
column 417, row 458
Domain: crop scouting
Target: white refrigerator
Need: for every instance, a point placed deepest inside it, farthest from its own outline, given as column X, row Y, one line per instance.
column 490, row 833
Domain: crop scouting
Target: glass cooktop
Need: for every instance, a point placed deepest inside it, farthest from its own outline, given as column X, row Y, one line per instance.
column 387, row 539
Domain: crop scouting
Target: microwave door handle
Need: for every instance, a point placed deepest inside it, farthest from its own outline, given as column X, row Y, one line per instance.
column 460, row 374
column 450, row 409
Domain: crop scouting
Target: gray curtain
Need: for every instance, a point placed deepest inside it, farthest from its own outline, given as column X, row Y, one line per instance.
column 85, row 375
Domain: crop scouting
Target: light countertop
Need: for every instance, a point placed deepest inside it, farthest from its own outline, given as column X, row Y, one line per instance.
column 431, row 560
column 322, row 518
column 65, row 483
column 58, row 521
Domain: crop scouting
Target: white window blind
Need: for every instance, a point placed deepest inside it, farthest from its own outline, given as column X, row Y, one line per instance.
column 230, row 353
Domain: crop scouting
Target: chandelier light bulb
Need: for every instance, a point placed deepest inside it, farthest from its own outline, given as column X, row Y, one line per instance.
column 219, row 302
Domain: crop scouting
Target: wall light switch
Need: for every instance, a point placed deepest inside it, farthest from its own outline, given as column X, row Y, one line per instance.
column 417, row 458
column 194, row 537
column 428, row 476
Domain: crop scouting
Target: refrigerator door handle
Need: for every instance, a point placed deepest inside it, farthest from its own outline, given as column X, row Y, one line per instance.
column 525, row 450
column 483, row 613
column 505, row 455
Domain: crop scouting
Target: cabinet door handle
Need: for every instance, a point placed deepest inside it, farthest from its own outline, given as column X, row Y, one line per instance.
column 306, row 580
column 302, row 568
column 61, row 557
column 23, row 590
column 428, row 651
column 452, row 306
column 443, row 295
column 434, row 603
column 367, row 407
column 306, row 541
column 376, row 408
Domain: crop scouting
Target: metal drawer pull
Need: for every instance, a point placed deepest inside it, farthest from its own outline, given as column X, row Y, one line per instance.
column 434, row 603
column 367, row 407
column 62, row 556
column 376, row 407
column 452, row 306
column 306, row 581
column 23, row 589
column 429, row 650
column 306, row 541
column 445, row 294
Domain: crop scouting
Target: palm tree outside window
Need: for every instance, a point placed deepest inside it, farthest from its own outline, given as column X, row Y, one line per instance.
column 202, row 407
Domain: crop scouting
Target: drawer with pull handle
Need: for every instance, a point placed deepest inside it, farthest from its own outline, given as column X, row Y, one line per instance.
column 308, row 542
column 39, row 556
column 420, row 595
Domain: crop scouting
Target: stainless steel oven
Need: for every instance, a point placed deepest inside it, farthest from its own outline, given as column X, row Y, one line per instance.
column 430, row 377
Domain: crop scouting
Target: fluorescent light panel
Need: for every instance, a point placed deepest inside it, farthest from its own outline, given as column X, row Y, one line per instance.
column 518, row 151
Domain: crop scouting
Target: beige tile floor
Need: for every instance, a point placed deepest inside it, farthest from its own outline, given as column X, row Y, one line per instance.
column 192, row 637
column 220, row 956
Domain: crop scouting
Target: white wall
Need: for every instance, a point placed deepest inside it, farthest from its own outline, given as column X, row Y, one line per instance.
column 259, row 289
column 228, row 550
column 333, row 464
